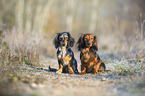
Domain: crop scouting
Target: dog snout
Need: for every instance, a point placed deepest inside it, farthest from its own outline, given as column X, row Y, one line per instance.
column 63, row 43
column 89, row 44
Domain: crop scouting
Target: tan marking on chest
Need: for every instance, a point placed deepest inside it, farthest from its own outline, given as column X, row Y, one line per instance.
column 87, row 55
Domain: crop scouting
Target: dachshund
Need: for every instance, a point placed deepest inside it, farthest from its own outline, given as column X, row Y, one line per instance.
column 90, row 60
column 63, row 43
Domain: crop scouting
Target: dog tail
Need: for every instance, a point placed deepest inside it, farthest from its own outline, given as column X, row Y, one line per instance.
column 52, row 69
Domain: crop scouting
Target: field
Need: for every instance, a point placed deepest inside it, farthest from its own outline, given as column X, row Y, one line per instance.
column 27, row 29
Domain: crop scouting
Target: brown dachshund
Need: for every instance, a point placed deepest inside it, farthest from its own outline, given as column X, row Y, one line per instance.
column 90, row 61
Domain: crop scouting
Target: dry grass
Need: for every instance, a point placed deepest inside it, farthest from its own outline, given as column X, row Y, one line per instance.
column 21, row 47
column 17, row 50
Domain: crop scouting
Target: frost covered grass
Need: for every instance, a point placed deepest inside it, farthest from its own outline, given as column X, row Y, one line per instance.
column 124, row 67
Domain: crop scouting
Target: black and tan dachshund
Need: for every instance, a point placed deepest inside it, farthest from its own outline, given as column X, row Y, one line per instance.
column 90, row 60
column 63, row 43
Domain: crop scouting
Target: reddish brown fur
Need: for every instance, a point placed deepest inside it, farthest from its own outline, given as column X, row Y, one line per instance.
column 90, row 61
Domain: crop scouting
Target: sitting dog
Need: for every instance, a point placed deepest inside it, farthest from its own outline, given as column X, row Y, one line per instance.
column 90, row 61
column 63, row 43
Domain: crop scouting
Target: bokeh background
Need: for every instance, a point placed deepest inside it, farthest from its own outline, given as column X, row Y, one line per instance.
column 118, row 24
column 27, row 29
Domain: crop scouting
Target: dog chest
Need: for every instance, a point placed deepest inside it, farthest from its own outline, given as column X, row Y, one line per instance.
column 63, row 50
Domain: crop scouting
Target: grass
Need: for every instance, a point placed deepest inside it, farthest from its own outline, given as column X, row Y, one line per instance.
column 124, row 67
column 17, row 54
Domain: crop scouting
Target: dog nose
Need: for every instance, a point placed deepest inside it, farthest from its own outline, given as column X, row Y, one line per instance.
column 89, row 43
column 63, row 44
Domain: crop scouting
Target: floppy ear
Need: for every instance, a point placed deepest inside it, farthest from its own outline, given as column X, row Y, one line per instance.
column 71, row 40
column 95, row 44
column 80, row 42
column 56, row 41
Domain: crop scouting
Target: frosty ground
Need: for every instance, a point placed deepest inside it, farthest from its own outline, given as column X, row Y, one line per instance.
column 39, row 81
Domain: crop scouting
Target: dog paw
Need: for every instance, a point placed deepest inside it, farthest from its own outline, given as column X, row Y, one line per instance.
column 71, row 72
column 95, row 72
column 59, row 72
column 82, row 73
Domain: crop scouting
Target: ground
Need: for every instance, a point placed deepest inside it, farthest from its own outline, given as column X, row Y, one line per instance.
column 46, row 83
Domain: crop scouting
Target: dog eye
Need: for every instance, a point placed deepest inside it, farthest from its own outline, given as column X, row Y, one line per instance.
column 60, row 39
column 92, row 38
column 85, row 38
column 66, row 38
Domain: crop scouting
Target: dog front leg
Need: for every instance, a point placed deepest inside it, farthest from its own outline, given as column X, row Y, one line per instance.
column 83, row 69
column 60, row 69
column 91, row 64
column 96, row 68
column 70, row 69
column 67, row 61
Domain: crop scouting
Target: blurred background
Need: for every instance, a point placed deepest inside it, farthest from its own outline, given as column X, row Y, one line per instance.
column 118, row 24
column 27, row 29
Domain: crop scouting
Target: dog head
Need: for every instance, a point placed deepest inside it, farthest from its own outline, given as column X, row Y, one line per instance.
column 87, row 41
column 63, row 39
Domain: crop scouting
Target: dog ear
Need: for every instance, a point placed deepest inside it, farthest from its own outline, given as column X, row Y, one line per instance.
column 71, row 40
column 95, row 44
column 56, row 41
column 80, row 42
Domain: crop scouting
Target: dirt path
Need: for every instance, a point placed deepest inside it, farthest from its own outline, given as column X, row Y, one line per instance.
column 103, row 84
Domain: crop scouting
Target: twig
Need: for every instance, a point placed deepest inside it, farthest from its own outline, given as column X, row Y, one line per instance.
column 142, row 27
